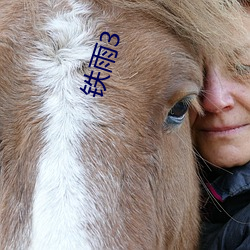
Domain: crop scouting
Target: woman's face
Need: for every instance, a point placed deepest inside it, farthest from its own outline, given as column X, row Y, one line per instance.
column 222, row 136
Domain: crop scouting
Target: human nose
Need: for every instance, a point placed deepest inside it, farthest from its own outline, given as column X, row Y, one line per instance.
column 217, row 96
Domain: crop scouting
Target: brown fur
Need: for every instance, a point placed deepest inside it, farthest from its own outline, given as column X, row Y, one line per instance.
column 143, row 172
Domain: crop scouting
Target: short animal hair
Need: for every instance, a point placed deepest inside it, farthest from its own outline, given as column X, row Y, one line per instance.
column 197, row 21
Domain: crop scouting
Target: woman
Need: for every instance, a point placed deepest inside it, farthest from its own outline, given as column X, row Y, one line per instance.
column 222, row 139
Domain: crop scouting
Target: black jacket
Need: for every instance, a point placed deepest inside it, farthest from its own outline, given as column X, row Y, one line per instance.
column 226, row 213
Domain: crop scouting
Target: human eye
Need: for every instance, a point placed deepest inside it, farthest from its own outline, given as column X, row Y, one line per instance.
column 242, row 69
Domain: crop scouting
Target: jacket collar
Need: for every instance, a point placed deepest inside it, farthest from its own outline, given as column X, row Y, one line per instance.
column 229, row 183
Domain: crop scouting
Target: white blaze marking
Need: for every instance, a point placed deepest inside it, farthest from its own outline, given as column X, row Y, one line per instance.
column 61, row 203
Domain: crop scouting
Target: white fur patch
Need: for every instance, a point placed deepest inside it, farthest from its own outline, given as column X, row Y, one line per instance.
column 62, row 206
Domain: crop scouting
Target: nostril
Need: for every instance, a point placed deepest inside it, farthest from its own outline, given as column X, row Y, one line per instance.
column 215, row 100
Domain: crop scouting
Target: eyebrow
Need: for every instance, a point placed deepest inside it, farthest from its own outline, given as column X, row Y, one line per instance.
column 242, row 52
